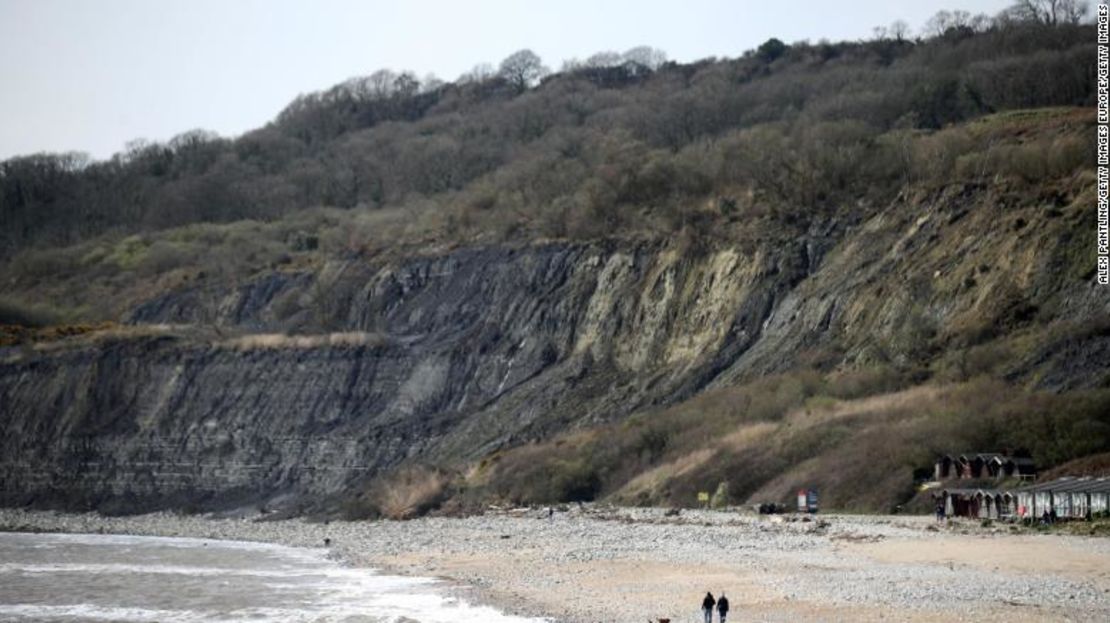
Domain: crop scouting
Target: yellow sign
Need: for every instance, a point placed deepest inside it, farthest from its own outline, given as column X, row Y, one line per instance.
column 703, row 496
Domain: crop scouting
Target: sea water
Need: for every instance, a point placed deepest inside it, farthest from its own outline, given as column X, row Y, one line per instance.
column 79, row 577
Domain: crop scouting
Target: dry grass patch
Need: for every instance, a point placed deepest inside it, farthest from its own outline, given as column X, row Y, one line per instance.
column 409, row 492
column 273, row 341
column 871, row 407
column 746, row 436
column 652, row 482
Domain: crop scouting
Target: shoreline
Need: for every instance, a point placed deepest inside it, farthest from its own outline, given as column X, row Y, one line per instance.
column 252, row 529
column 600, row 563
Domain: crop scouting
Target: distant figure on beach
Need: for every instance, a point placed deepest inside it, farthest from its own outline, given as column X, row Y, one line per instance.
column 707, row 607
column 327, row 542
column 722, row 607
column 550, row 512
column 940, row 512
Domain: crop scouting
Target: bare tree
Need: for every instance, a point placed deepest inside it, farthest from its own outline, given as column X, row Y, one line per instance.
column 136, row 148
column 192, row 140
column 571, row 64
column 604, row 59
column 899, row 29
column 981, row 22
column 647, row 56
column 1049, row 12
column 939, row 23
column 380, row 84
column 430, row 83
column 522, row 69
column 944, row 21
column 479, row 73
column 1073, row 11
column 961, row 19
column 376, row 86
column 406, row 84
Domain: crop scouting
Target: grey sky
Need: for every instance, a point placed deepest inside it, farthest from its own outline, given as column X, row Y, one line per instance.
column 89, row 76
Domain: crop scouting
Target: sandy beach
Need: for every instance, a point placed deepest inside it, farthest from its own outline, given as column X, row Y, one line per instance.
column 615, row 564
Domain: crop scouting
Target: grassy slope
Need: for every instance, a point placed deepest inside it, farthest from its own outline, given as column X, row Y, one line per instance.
column 792, row 432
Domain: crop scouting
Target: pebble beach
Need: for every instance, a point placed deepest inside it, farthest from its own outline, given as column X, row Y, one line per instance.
column 597, row 563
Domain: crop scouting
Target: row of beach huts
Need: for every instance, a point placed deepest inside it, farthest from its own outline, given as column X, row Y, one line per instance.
column 1063, row 498
column 973, row 485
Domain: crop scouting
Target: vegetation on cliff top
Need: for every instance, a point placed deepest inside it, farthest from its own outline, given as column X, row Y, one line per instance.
column 620, row 144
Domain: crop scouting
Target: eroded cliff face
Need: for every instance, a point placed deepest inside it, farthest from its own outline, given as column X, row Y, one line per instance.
column 465, row 352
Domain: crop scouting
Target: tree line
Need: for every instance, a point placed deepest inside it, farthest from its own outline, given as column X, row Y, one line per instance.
column 583, row 149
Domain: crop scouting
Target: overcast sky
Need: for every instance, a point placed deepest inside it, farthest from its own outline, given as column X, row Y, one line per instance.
column 91, row 75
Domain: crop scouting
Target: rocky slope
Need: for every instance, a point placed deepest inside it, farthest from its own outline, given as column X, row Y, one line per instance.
column 457, row 355
column 447, row 357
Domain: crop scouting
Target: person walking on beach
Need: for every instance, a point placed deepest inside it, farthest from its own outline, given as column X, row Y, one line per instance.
column 707, row 607
column 722, row 607
column 940, row 512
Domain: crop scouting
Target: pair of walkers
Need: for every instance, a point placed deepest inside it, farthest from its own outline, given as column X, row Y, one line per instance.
column 707, row 607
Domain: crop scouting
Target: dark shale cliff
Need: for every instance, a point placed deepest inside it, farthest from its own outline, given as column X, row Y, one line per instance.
column 445, row 359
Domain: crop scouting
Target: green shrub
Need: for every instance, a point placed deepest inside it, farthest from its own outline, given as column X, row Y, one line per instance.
column 128, row 253
column 720, row 498
column 163, row 256
column 573, row 481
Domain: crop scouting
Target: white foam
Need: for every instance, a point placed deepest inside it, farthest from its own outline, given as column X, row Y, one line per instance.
column 432, row 608
column 334, row 573
column 63, row 538
column 424, row 608
column 312, row 588
column 90, row 612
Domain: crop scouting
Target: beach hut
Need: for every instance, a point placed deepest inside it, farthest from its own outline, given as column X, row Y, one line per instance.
column 994, row 504
column 1070, row 499
column 960, row 503
column 1099, row 499
column 1004, row 505
column 1001, row 466
column 1067, row 497
column 993, row 465
column 970, row 466
column 1043, row 498
column 943, row 468
column 1027, row 501
column 1082, row 498
column 996, row 465
column 985, row 503
column 977, row 503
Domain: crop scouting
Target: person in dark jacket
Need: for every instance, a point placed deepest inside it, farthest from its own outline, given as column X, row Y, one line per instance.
column 707, row 607
column 722, row 607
